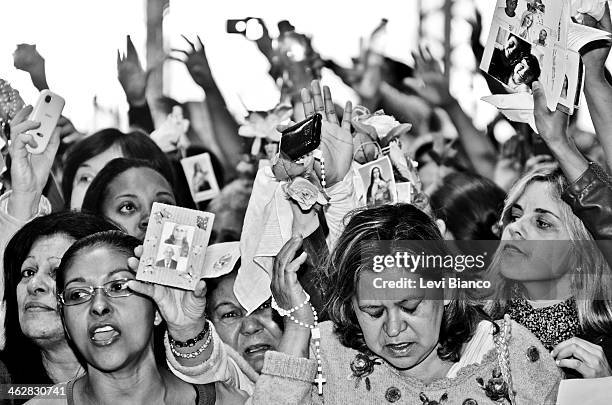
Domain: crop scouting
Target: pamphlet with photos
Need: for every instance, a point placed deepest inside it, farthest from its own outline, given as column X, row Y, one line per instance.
column 533, row 40
column 175, row 246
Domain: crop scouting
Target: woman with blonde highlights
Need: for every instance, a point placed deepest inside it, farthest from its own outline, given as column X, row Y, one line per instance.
column 551, row 276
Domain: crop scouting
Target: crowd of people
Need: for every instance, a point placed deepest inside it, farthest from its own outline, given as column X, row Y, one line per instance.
column 293, row 204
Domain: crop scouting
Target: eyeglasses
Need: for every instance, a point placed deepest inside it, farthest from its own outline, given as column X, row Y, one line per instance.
column 80, row 295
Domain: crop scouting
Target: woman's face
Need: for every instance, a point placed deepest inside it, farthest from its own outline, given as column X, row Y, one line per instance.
column 404, row 330
column 131, row 195
column 179, row 233
column 528, row 20
column 36, row 302
column 86, row 173
column 376, row 173
column 535, row 241
column 251, row 336
column 110, row 333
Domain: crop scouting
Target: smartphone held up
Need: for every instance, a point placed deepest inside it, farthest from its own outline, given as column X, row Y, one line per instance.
column 47, row 111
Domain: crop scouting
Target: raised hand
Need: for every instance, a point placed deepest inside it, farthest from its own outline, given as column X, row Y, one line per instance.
column 29, row 172
column 132, row 76
column 286, row 289
column 551, row 125
column 27, row 58
column 429, row 83
column 196, row 63
column 336, row 138
column 184, row 311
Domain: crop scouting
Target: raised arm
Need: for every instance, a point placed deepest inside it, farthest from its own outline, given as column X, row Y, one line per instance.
column 224, row 124
column 433, row 86
column 133, row 79
column 590, row 190
column 29, row 174
column 552, row 127
column 597, row 89
column 288, row 374
column 27, row 58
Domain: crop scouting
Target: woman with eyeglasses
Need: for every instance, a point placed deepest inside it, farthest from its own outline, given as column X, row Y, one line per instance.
column 36, row 350
column 111, row 327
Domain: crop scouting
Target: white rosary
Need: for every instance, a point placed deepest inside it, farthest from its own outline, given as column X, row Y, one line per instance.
column 315, row 333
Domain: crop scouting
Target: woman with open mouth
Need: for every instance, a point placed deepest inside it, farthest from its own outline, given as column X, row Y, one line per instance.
column 111, row 327
column 36, row 350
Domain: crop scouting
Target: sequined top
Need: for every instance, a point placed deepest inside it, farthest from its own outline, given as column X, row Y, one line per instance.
column 552, row 325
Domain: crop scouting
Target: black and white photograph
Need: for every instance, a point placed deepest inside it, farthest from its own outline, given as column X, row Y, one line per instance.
column 178, row 235
column 445, row 240
column 201, row 177
column 514, row 62
column 167, row 258
column 175, row 246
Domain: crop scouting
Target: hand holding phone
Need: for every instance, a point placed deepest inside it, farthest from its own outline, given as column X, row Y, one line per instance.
column 47, row 111
column 301, row 138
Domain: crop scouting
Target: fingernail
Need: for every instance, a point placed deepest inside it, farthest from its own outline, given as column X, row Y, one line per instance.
column 557, row 362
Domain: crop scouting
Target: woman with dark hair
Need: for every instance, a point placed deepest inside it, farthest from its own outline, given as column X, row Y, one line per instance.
column 36, row 350
column 414, row 344
column 470, row 206
column 410, row 343
column 124, row 192
column 111, row 328
column 524, row 73
column 86, row 158
column 378, row 190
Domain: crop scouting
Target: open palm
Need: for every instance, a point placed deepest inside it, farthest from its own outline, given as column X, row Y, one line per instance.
column 336, row 138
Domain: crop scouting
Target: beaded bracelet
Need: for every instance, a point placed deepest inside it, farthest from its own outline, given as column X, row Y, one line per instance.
column 287, row 312
column 190, row 342
column 191, row 355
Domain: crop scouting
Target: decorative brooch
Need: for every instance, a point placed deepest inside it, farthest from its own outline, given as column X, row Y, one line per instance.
column 362, row 366
column 426, row 400
column 496, row 388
